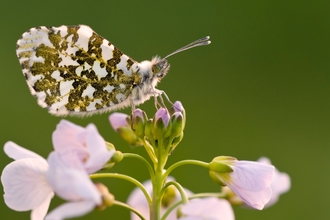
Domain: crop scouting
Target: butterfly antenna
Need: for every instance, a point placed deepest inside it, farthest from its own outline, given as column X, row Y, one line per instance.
column 201, row 42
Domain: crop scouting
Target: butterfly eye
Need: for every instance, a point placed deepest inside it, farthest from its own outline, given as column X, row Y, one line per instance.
column 156, row 68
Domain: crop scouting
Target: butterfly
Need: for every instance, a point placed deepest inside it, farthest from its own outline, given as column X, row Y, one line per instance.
column 72, row 70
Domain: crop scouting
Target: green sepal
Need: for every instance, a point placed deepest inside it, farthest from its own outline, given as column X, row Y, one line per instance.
column 129, row 136
column 220, row 167
column 215, row 177
column 148, row 129
column 138, row 124
column 160, row 130
column 177, row 124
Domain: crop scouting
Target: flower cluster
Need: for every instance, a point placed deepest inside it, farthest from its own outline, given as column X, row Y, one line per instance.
column 159, row 135
column 30, row 181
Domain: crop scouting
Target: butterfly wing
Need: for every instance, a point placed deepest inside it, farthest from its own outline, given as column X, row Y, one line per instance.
column 74, row 71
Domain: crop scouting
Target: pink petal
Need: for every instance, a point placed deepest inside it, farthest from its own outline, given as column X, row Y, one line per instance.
column 71, row 209
column 17, row 152
column 118, row 120
column 64, row 137
column 88, row 144
column 210, row 208
column 280, row 184
column 162, row 114
column 252, row 176
column 25, row 184
column 251, row 182
column 69, row 179
column 138, row 113
column 177, row 106
column 138, row 201
column 39, row 212
column 97, row 149
column 254, row 199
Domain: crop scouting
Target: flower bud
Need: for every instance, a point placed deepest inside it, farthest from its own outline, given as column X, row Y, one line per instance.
column 118, row 120
column 162, row 124
column 163, row 116
column 169, row 196
column 107, row 197
column 116, row 158
column 121, row 124
column 177, row 124
column 139, row 119
column 178, row 107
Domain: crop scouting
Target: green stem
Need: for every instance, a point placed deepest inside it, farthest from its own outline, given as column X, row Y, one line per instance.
column 184, row 197
column 136, row 156
column 157, row 184
column 169, row 148
column 125, row 177
column 130, row 208
column 150, row 150
column 185, row 162
column 199, row 195
column 156, row 196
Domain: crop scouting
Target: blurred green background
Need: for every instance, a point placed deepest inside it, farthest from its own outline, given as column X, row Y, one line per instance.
column 260, row 89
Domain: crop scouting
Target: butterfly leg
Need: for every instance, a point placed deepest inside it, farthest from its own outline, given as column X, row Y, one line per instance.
column 159, row 94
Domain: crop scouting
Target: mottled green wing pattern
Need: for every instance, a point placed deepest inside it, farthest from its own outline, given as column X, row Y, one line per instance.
column 74, row 71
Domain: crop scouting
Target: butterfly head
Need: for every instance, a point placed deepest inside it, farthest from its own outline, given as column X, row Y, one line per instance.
column 160, row 68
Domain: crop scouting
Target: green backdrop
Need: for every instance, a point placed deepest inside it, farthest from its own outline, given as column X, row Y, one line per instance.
column 260, row 89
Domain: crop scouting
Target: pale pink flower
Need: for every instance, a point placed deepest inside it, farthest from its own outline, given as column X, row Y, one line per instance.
column 210, row 208
column 247, row 179
column 30, row 182
column 87, row 143
column 118, row 120
column 68, row 178
column 138, row 201
column 25, row 183
column 281, row 183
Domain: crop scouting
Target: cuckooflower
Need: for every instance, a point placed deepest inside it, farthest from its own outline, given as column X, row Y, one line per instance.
column 281, row 184
column 24, row 181
column 88, row 144
column 30, row 182
column 210, row 208
column 69, row 179
column 249, row 180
